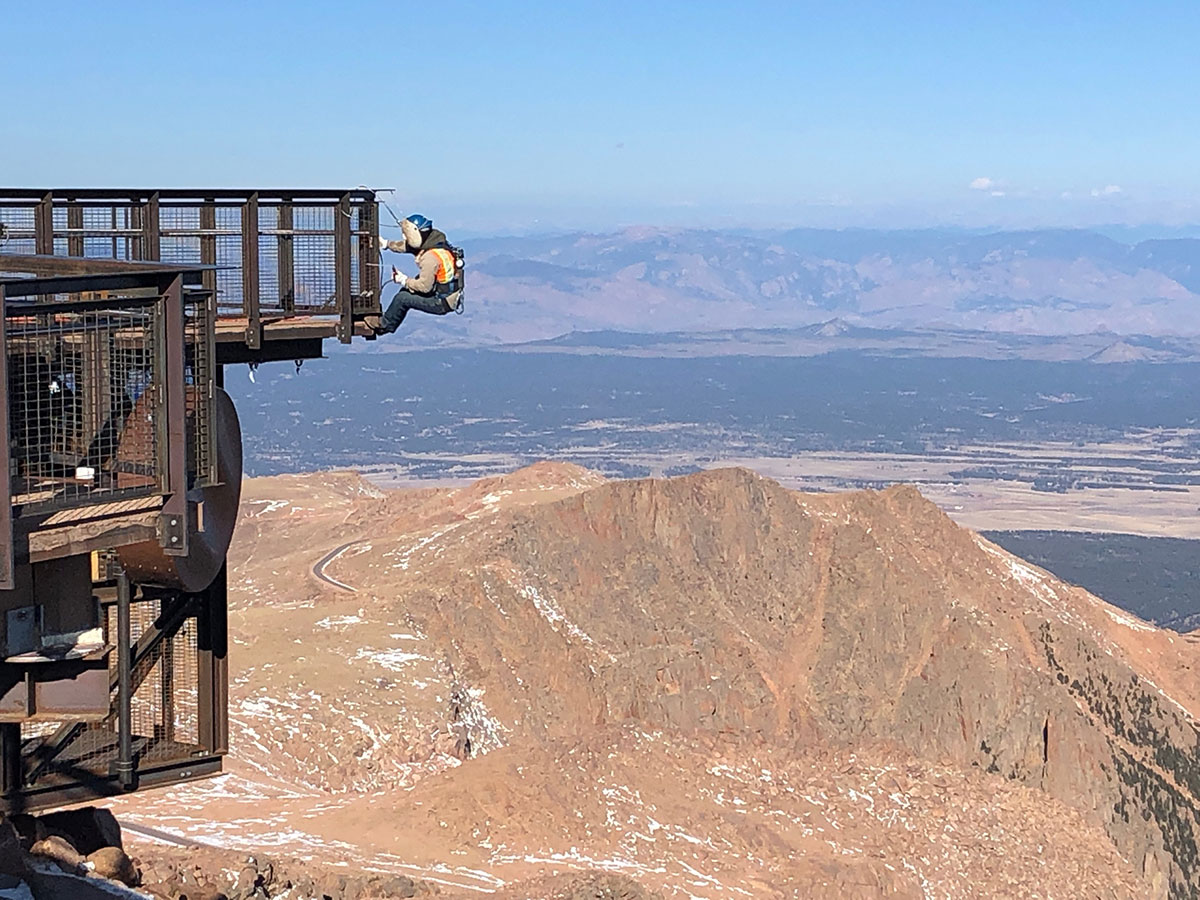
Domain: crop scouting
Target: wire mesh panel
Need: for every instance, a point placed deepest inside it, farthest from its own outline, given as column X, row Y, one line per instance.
column 179, row 235
column 314, row 250
column 164, row 707
column 270, row 294
column 199, row 379
column 82, row 415
column 228, row 241
column 17, row 229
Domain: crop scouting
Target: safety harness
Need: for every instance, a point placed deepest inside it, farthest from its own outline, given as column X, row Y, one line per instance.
column 451, row 262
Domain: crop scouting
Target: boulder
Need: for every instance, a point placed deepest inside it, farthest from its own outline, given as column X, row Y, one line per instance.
column 266, row 870
column 396, row 886
column 247, row 884
column 331, row 886
column 112, row 863
column 59, row 851
column 88, row 829
column 304, row 885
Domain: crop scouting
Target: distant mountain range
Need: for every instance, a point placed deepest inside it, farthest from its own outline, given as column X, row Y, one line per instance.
column 654, row 280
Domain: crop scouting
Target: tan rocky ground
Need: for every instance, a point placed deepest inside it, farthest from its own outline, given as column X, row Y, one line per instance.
column 711, row 685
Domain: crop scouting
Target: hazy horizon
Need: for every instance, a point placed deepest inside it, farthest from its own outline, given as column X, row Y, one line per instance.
column 540, row 116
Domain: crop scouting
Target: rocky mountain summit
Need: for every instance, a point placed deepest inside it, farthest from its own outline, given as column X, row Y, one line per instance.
column 710, row 685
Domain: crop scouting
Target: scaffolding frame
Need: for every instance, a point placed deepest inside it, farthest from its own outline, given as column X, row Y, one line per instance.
column 124, row 352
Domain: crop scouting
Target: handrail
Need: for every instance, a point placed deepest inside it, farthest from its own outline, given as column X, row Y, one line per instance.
column 184, row 193
column 265, row 254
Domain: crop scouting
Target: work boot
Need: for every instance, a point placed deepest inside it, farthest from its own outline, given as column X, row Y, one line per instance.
column 375, row 323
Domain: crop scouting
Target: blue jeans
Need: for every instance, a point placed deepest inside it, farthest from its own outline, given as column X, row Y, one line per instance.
column 406, row 300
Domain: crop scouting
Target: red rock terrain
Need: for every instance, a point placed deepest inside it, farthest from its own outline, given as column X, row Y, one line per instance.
column 710, row 685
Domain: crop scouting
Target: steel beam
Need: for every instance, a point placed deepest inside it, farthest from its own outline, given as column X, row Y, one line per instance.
column 49, row 265
column 93, row 787
column 285, row 350
column 212, row 628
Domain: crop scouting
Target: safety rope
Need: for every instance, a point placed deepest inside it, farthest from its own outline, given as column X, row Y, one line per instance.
column 379, row 250
column 395, row 218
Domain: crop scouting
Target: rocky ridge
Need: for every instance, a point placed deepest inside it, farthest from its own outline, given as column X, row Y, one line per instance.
column 711, row 684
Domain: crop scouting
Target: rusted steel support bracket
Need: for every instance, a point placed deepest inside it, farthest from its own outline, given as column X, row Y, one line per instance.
column 173, row 420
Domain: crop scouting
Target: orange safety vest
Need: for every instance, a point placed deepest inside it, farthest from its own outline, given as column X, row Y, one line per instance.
column 445, row 269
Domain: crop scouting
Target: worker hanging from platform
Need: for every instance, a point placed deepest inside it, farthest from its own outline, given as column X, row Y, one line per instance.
column 438, row 286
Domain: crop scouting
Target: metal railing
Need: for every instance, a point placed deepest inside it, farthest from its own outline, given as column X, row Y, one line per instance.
column 272, row 254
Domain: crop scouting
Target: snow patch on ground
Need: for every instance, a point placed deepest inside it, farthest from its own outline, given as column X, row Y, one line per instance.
column 395, row 660
column 268, row 507
column 338, row 621
column 1128, row 621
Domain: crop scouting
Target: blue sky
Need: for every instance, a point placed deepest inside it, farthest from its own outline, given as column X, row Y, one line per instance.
column 511, row 116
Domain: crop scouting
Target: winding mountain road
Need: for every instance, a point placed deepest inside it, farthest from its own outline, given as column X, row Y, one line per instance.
column 319, row 569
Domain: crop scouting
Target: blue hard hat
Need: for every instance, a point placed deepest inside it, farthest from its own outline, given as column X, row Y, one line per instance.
column 423, row 224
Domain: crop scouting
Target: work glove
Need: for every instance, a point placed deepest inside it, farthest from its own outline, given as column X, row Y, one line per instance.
column 383, row 242
column 399, row 277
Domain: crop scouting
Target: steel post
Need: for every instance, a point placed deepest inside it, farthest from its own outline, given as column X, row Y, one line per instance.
column 43, row 225
column 151, row 242
column 11, row 771
column 133, row 223
column 124, row 768
column 74, row 229
column 250, row 299
column 287, row 266
column 212, row 627
column 341, row 270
